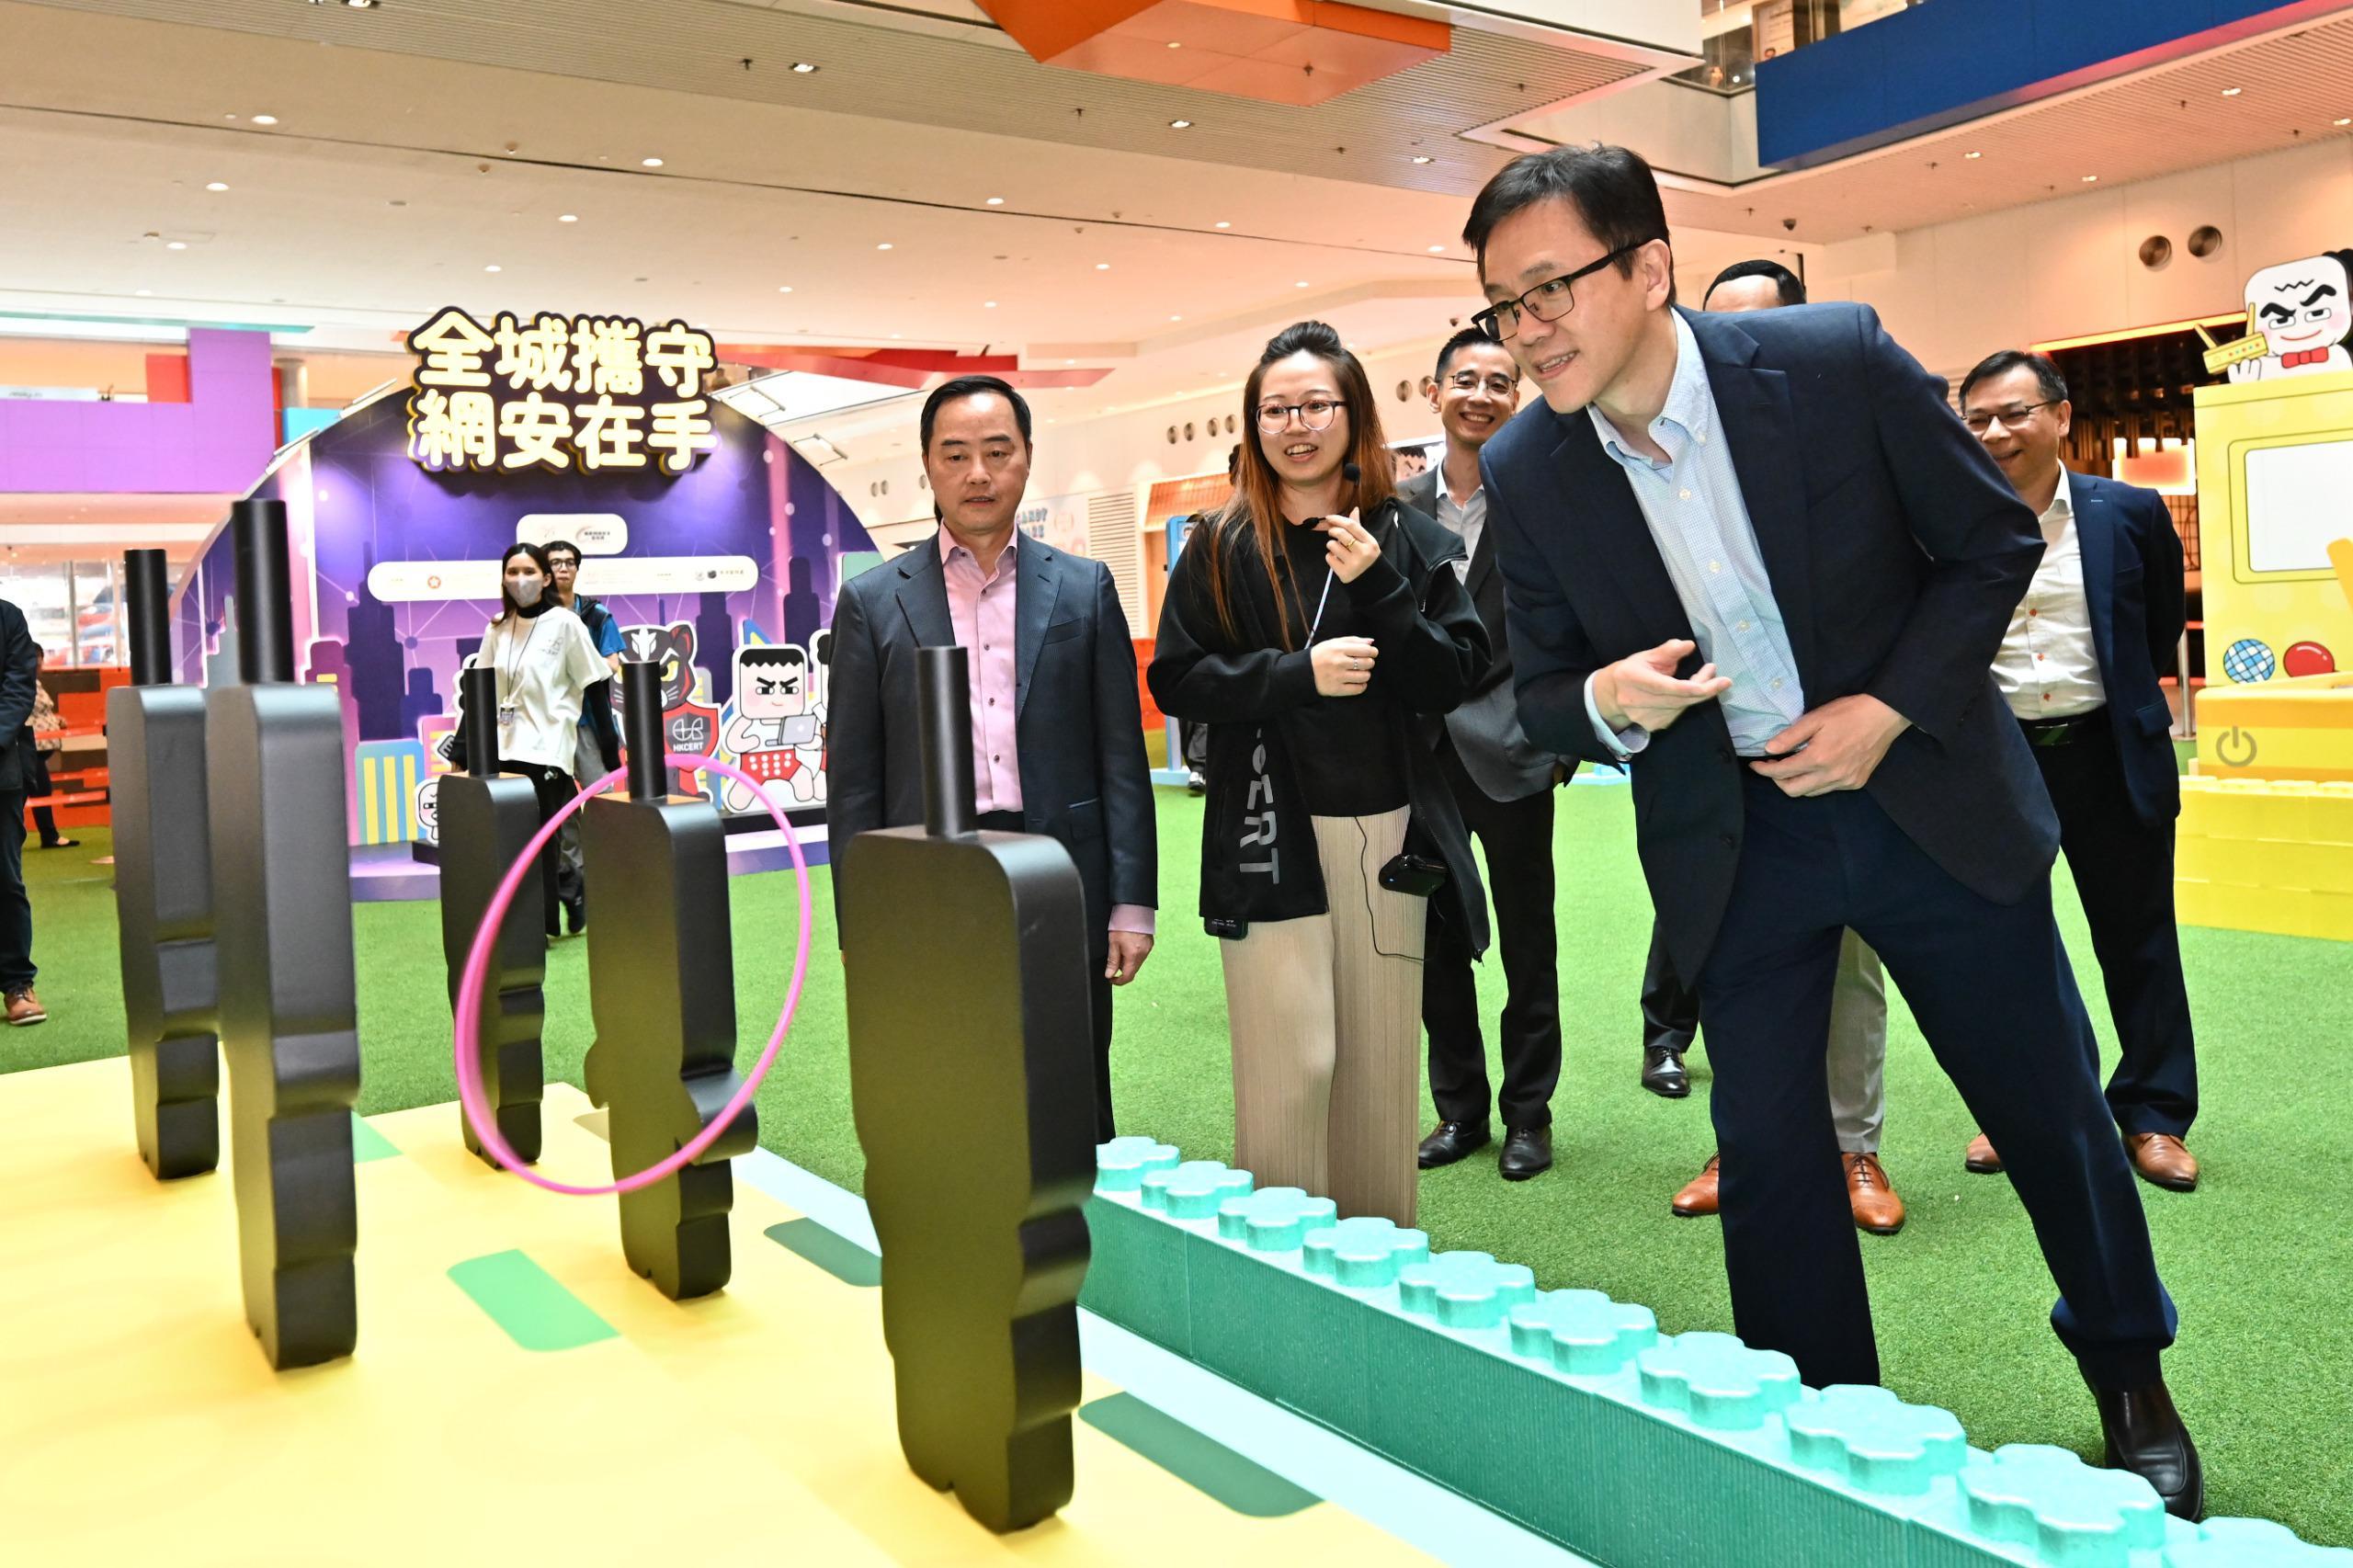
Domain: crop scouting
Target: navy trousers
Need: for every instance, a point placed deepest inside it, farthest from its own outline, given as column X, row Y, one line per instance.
column 15, row 909
column 2123, row 872
column 1992, row 990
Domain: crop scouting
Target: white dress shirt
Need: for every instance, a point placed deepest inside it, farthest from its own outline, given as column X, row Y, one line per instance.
column 1698, row 518
column 1467, row 522
column 2048, row 668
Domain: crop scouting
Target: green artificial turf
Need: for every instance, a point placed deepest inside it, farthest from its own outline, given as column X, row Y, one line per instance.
column 2258, row 1259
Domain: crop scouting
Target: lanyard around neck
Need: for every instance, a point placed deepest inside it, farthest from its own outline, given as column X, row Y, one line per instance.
column 514, row 672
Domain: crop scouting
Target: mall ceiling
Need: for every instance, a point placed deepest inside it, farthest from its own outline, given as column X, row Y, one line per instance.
column 927, row 184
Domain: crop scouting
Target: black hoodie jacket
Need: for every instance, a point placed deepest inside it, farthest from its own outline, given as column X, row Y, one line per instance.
column 1258, row 858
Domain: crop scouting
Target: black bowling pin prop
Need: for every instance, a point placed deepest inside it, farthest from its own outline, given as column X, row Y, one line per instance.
column 486, row 818
column 163, row 890
column 289, row 1025
column 973, row 1079
column 662, row 990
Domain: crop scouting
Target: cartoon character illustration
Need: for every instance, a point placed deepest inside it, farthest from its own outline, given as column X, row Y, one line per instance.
column 778, row 728
column 686, row 725
column 2302, row 312
column 427, row 810
column 672, row 647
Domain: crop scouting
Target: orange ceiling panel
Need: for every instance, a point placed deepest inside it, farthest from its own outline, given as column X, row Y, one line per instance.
column 1290, row 52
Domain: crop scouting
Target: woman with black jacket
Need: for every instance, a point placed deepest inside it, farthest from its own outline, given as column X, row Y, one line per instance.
column 1313, row 627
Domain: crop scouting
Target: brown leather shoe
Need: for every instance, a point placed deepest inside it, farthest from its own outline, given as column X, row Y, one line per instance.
column 24, row 1008
column 1872, row 1196
column 1980, row 1158
column 2160, row 1157
column 1698, row 1196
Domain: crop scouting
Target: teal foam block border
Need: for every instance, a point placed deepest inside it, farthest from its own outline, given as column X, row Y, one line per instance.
column 1571, row 1414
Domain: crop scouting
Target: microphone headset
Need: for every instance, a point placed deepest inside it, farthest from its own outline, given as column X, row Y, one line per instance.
column 1355, row 476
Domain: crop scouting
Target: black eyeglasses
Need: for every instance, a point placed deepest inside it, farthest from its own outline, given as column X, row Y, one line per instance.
column 2009, row 418
column 1472, row 381
column 1549, row 301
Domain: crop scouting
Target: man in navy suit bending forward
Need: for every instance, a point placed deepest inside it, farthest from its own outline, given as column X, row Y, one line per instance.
column 1758, row 558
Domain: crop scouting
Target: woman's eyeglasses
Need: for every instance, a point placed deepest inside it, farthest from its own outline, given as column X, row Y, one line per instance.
column 1316, row 413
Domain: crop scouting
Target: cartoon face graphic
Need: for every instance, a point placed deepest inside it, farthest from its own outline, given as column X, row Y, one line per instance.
column 428, row 813
column 2302, row 307
column 772, row 682
column 672, row 647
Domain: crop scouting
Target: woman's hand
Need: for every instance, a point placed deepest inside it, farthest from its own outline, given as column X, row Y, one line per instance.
column 1348, row 548
column 1343, row 666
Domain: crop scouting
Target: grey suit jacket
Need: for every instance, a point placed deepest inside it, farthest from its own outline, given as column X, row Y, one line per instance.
column 1495, row 751
column 1078, row 720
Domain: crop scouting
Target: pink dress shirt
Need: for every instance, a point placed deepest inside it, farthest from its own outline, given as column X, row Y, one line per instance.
column 981, row 609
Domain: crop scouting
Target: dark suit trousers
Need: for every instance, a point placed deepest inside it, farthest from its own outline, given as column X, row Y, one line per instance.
column 2123, row 872
column 1098, row 993
column 15, row 909
column 1518, row 838
column 1992, row 991
column 1670, row 1009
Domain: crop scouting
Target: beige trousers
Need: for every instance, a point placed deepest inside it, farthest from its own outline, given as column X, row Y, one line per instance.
column 1325, row 1016
column 1857, row 1047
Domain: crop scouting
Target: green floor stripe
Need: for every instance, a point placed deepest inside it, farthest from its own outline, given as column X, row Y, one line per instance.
column 1200, row 1461
column 367, row 1143
column 525, row 1300
column 845, row 1261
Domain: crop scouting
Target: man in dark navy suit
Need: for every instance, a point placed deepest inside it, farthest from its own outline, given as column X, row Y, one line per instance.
column 1759, row 558
column 1057, row 720
column 2079, row 668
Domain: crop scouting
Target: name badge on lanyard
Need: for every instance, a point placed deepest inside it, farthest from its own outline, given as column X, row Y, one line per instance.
column 508, row 710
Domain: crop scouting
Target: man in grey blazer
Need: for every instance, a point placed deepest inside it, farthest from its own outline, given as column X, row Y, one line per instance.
column 1503, row 783
column 1057, row 724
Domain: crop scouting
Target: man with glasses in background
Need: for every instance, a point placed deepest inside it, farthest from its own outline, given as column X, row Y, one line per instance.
column 1758, row 557
column 1503, row 785
column 596, row 747
column 2079, row 668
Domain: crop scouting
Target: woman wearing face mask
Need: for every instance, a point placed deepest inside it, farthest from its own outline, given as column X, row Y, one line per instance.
column 546, row 662
column 1314, row 626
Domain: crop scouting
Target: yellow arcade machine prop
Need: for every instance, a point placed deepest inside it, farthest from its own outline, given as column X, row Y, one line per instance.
column 2267, row 825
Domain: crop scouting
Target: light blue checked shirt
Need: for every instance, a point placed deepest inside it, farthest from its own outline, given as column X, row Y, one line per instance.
column 1693, row 506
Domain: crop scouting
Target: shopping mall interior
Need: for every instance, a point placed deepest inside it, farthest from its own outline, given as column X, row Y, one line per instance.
column 310, row 309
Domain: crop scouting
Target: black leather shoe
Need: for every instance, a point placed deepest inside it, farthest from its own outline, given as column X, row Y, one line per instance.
column 1450, row 1141
column 2145, row 1436
column 575, row 914
column 1527, row 1152
column 1663, row 1073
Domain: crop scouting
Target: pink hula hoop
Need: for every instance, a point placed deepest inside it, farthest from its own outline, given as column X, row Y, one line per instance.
column 467, row 1035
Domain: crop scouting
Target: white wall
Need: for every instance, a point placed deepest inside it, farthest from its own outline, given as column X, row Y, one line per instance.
column 1955, row 292
column 1951, row 293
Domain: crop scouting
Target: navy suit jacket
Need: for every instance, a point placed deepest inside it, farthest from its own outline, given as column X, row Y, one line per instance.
column 1486, row 727
column 2132, row 585
column 1897, row 552
column 1078, row 723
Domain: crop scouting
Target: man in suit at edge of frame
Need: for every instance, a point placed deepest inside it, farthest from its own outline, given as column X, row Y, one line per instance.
column 1760, row 559
column 2079, row 668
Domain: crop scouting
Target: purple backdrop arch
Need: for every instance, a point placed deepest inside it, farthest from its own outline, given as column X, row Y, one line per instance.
column 748, row 549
